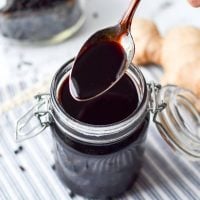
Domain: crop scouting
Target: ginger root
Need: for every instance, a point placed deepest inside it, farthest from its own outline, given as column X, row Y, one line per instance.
column 148, row 42
column 178, row 52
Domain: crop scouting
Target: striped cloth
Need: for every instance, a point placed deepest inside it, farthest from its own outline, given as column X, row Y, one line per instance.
column 27, row 170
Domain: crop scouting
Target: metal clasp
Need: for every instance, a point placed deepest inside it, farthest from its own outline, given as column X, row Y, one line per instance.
column 35, row 120
column 154, row 106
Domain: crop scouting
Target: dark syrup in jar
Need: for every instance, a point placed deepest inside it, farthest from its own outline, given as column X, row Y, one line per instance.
column 100, row 170
column 113, row 106
column 96, row 68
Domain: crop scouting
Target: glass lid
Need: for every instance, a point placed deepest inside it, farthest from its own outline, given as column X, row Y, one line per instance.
column 179, row 122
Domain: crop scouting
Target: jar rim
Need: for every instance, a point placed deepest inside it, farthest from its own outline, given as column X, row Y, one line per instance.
column 97, row 134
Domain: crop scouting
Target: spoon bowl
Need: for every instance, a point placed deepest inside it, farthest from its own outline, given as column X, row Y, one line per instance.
column 103, row 59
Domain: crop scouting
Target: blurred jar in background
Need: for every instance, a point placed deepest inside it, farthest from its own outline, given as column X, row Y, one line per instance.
column 50, row 21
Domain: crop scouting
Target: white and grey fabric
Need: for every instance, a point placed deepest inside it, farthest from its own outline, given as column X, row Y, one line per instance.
column 27, row 169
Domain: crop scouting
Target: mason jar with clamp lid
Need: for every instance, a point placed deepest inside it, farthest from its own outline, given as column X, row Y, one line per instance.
column 40, row 21
column 99, row 145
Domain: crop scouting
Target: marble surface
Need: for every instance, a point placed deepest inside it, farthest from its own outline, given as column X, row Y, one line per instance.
column 40, row 61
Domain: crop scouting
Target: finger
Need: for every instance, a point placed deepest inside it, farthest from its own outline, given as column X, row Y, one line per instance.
column 194, row 3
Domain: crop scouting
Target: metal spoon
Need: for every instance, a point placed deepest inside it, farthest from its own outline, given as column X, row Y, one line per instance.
column 87, row 79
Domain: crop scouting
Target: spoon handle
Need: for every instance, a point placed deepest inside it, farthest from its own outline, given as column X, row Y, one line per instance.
column 126, row 20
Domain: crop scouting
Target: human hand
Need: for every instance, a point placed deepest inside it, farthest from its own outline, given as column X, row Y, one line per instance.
column 195, row 3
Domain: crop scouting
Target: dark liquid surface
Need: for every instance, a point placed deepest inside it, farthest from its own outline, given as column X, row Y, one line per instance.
column 96, row 69
column 113, row 106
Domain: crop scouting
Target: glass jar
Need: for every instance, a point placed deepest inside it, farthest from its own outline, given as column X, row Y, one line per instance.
column 103, row 161
column 40, row 20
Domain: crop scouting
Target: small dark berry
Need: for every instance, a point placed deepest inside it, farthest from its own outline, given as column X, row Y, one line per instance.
column 22, row 168
column 71, row 194
column 21, row 148
column 53, row 167
column 16, row 151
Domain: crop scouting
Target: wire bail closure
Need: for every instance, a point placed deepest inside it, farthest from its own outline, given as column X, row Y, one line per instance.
column 36, row 120
column 154, row 105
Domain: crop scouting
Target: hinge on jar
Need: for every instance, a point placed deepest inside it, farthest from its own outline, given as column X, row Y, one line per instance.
column 40, row 113
column 154, row 106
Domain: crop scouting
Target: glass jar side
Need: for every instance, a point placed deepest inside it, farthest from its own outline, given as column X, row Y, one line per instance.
column 99, row 171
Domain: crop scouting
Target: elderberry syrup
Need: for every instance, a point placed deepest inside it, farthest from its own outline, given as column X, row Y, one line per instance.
column 99, row 144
